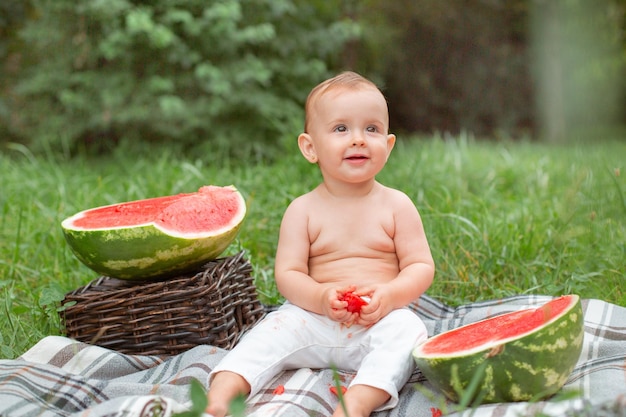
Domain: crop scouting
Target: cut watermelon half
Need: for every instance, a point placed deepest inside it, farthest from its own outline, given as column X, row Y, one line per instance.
column 519, row 356
column 157, row 236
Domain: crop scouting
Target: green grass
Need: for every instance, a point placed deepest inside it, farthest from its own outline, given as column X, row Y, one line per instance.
column 502, row 218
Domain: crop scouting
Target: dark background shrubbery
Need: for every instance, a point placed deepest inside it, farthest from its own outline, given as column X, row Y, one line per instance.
column 232, row 75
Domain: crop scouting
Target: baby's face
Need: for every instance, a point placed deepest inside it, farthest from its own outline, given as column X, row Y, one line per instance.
column 349, row 130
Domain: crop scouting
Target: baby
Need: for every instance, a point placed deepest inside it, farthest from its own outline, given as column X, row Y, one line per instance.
column 349, row 234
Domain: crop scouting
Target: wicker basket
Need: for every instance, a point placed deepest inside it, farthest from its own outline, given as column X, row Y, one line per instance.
column 165, row 317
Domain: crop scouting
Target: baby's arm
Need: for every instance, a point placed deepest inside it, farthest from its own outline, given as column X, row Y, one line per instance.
column 292, row 268
column 417, row 268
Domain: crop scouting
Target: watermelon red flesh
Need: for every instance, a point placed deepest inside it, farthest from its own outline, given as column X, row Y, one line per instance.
column 158, row 236
column 188, row 214
column 354, row 301
column 495, row 331
column 519, row 356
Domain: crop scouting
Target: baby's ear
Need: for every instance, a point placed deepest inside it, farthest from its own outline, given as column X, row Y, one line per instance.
column 305, row 143
column 391, row 141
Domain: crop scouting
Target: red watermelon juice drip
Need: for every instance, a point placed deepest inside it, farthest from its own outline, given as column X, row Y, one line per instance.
column 495, row 329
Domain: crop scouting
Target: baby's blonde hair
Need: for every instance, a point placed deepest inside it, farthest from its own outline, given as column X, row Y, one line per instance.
column 348, row 79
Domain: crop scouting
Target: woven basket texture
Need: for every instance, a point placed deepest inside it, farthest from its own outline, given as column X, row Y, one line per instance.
column 214, row 306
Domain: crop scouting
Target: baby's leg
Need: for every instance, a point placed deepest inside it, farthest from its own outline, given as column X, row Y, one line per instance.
column 274, row 344
column 361, row 401
column 385, row 369
column 225, row 387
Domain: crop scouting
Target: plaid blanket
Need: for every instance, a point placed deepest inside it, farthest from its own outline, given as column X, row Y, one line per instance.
column 62, row 377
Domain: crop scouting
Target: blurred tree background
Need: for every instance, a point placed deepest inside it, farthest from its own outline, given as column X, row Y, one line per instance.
column 232, row 75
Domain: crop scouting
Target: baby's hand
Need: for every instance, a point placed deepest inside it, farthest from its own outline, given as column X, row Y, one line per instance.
column 354, row 303
column 379, row 305
column 335, row 308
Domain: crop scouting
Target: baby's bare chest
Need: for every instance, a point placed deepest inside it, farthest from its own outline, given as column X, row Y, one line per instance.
column 353, row 232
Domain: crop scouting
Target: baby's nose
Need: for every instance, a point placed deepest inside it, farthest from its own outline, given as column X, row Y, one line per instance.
column 358, row 139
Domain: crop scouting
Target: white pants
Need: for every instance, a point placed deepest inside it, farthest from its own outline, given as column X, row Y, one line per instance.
column 292, row 338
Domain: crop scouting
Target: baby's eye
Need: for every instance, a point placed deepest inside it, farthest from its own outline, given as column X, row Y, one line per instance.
column 372, row 129
column 341, row 128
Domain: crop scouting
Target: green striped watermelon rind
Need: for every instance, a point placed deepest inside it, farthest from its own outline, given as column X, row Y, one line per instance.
column 531, row 366
column 148, row 251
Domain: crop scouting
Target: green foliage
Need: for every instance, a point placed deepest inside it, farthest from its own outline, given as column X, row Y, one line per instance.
column 453, row 65
column 526, row 218
column 198, row 399
column 339, row 389
column 229, row 74
column 12, row 15
column 199, row 402
column 579, row 65
column 467, row 65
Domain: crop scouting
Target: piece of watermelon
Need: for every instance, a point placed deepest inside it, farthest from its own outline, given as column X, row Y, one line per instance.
column 158, row 236
column 519, row 356
column 355, row 302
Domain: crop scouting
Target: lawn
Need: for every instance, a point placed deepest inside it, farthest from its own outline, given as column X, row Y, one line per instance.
column 502, row 218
